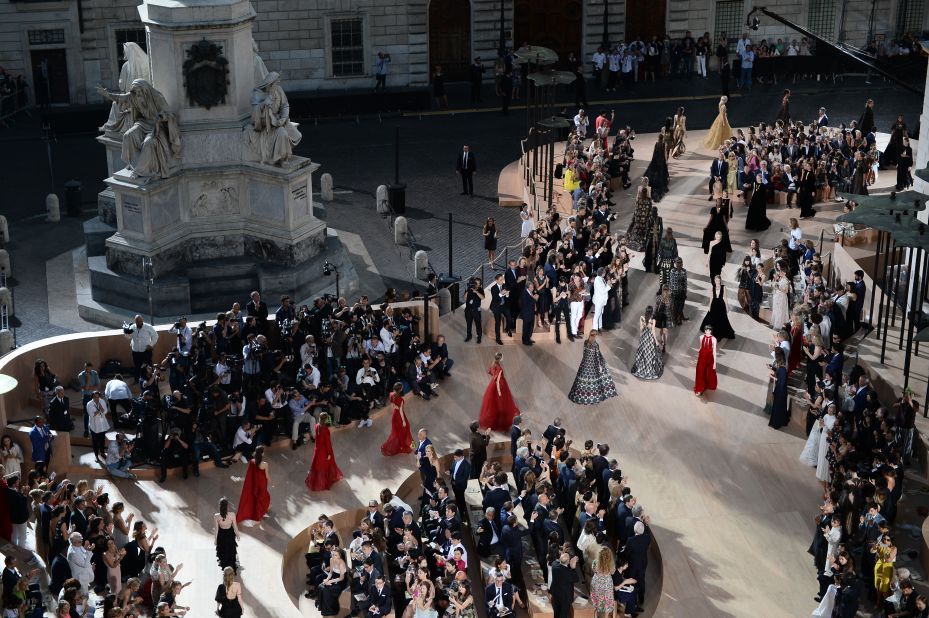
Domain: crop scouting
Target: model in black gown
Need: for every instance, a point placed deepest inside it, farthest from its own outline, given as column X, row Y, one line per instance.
column 718, row 315
column 757, row 217
column 904, row 163
column 717, row 223
column 892, row 152
column 806, row 191
column 657, row 171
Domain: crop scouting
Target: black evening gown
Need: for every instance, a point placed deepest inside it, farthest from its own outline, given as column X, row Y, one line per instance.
column 717, row 259
column 718, row 316
column 904, row 163
column 859, row 180
column 228, row 608
column 717, row 224
column 329, row 599
column 226, row 548
column 866, row 124
column 891, row 153
column 657, row 172
column 757, row 217
column 780, row 414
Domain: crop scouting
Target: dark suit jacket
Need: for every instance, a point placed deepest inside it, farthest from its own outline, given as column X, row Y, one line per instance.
column 719, row 168
column 527, row 307
column 59, row 415
column 860, row 289
column 507, row 596
column 636, row 552
column 511, row 544
column 79, row 521
column 383, row 601
column 61, row 572
column 496, row 497
column 461, row 476
column 485, row 536
column 563, row 580
column 471, row 166
column 478, row 445
column 496, row 301
column 411, row 378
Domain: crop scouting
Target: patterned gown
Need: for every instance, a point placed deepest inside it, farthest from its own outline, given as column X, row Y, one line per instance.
column 641, row 224
column 593, row 382
column 648, row 364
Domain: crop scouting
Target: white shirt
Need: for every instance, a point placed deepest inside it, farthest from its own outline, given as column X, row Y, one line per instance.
column 369, row 376
column 96, row 412
column 400, row 504
column 222, row 372
column 142, row 338
column 112, row 453
column 241, row 437
column 188, row 336
column 313, row 376
column 795, row 236
column 599, row 59
column 387, row 339
column 117, row 389
column 740, row 46
column 79, row 561
column 581, row 123
column 306, row 354
column 614, row 59
column 600, row 291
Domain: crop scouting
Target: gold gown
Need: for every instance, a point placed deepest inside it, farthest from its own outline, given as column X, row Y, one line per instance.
column 720, row 131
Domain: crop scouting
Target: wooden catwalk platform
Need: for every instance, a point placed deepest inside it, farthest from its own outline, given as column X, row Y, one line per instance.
column 731, row 506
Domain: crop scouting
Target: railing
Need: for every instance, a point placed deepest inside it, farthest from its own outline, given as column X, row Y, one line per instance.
column 492, row 265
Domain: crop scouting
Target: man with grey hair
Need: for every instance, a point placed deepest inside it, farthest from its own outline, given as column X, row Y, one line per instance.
column 79, row 559
column 488, row 533
column 636, row 553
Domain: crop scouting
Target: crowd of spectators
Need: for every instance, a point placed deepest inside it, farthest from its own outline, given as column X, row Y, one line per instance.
column 12, row 97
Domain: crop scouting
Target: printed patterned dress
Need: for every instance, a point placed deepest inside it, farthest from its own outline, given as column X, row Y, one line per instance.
column 641, row 225
column 648, row 364
column 593, row 383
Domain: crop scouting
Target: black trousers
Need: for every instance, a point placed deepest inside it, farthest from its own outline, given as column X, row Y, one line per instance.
column 99, row 442
column 528, row 324
column 473, row 317
column 503, row 313
column 140, row 359
column 562, row 314
column 467, row 182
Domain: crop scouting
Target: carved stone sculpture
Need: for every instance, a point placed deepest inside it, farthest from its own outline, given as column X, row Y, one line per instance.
column 271, row 135
column 135, row 67
column 206, row 74
column 152, row 143
column 261, row 71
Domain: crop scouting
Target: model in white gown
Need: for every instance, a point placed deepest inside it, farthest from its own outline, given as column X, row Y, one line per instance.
column 780, row 309
column 528, row 224
column 822, row 466
column 827, row 604
column 810, row 454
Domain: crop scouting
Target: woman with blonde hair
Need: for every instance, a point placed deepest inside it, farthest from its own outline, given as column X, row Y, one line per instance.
column 601, row 584
column 720, row 131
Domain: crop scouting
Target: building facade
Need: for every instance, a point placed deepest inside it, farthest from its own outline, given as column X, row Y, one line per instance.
column 66, row 47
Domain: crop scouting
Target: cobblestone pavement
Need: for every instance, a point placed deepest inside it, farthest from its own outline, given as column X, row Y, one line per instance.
column 360, row 156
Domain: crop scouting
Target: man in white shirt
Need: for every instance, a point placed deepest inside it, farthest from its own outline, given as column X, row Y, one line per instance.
column 242, row 442
column 374, row 345
column 308, row 350
column 142, row 339
column 117, row 393
column 599, row 298
column 368, row 379
column 581, row 122
column 615, row 61
column 96, row 411
column 185, row 336
column 79, row 557
column 456, row 544
column 599, row 60
column 740, row 45
column 781, row 340
column 793, row 49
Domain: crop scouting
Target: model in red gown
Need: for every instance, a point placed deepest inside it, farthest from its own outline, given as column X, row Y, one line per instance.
column 498, row 408
column 324, row 473
column 706, row 363
column 255, row 499
column 400, row 439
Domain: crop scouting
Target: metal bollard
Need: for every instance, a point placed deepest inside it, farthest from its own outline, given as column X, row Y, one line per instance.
column 325, row 187
column 400, row 231
column 445, row 301
column 4, row 230
column 6, row 266
column 420, row 264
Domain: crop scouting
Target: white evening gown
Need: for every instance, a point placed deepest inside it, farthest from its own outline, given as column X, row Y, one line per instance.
column 810, row 454
column 822, row 466
column 528, row 224
column 780, row 310
column 826, row 605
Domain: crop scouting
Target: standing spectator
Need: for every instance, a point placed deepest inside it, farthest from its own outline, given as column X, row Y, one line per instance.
column 477, row 76
column 257, row 309
column 79, row 559
column 142, row 339
column 702, row 51
column 747, row 58
column 614, row 61
column 466, row 167
column 599, row 60
column 381, row 66
column 41, row 439
column 19, row 511
column 580, row 87
column 581, row 123
column 96, row 410
column 725, row 74
column 688, row 49
column 89, row 380
column 474, row 296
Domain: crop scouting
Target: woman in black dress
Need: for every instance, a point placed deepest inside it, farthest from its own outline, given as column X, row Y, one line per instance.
column 330, row 588
column 814, row 355
column 661, row 316
column 860, row 177
column 717, row 256
column 226, row 536
column 717, row 223
column 891, row 154
column 229, row 596
column 657, row 171
column 757, row 217
column 718, row 315
column 490, row 239
column 438, row 87
column 806, row 190
column 780, row 414
column 904, row 163
column 656, row 226
column 784, row 114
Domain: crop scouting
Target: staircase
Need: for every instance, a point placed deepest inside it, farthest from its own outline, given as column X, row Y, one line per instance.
column 216, row 284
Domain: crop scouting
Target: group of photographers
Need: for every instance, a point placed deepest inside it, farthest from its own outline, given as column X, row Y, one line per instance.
column 232, row 390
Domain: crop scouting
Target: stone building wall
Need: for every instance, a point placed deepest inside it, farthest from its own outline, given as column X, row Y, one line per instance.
column 294, row 35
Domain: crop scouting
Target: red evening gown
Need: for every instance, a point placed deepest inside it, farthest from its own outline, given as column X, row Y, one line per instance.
column 498, row 411
column 324, row 473
column 400, row 439
column 255, row 499
column 706, row 373
column 796, row 348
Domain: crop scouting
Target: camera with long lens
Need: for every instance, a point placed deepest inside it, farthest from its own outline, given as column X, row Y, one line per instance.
column 128, row 328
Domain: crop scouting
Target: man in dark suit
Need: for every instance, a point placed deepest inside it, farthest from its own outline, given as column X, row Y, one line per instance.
column 466, row 167
column 488, row 533
column 478, row 448
column 636, row 553
column 78, row 520
column 512, row 279
column 719, row 170
column 858, row 305
column 59, row 411
column 498, row 496
column 515, row 433
column 363, row 584
column 599, row 464
column 527, row 312
column 460, row 473
column 564, row 576
column 423, row 463
column 258, row 309
column 499, row 597
column 380, row 597
column 476, row 72
column 474, row 296
column 551, row 432
column 499, row 306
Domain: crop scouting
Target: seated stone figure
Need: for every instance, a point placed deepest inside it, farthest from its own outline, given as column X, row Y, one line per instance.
column 135, row 67
column 271, row 136
column 152, row 143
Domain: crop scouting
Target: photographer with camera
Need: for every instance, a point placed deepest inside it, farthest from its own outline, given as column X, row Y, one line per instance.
column 202, row 444
column 180, row 411
column 177, row 365
column 142, row 339
column 474, row 296
column 119, row 457
column 184, row 336
column 367, row 380
column 301, row 411
column 243, row 443
column 175, row 453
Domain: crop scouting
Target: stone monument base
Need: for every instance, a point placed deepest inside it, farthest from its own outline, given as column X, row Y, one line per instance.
column 208, row 286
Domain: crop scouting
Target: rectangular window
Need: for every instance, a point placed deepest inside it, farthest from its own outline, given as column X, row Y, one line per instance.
column 910, row 15
column 46, row 37
column 729, row 14
column 348, row 54
column 135, row 35
column 821, row 18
